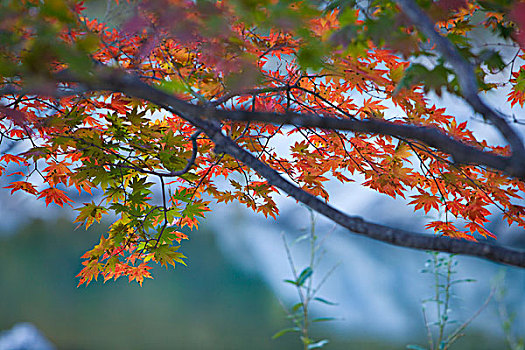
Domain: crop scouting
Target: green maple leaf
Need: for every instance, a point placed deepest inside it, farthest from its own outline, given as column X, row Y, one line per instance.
column 166, row 254
column 89, row 213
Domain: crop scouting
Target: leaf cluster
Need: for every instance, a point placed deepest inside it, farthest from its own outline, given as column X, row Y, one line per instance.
column 141, row 114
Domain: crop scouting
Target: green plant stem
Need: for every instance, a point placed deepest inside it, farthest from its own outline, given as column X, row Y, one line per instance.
column 310, row 280
column 437, row 291
column 506, row 319
column 444, row 319
column 304, row 284
column 457, row 333
column 429, row 332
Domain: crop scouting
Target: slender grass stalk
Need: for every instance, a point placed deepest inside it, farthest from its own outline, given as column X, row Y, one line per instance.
column 307, row 291
column 443, row 267
column 507, row 319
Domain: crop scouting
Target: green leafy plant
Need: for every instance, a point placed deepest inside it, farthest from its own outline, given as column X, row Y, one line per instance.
column 443, row 267
column 299, row 314
column 507, row 319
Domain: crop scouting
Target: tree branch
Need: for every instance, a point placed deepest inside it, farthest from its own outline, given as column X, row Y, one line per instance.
column 229, row 96
column 467, row 80
column 134, row 87
column 119, row 81
column 358, row 225
column 205, row 118
column 433, row 137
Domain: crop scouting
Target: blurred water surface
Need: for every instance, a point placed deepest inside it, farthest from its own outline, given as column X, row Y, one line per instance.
column 214, row 303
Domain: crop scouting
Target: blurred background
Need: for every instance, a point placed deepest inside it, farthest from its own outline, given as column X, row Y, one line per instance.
column 232, row 295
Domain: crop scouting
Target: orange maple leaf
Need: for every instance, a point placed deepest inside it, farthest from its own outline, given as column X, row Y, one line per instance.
column 140, row 272
column 22, row 185
column 53, row 194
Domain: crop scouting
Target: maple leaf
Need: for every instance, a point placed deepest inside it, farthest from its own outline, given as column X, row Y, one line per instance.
column 474, row 227
column 425, row 201
column 138, row 273
column 7, row 158
column 90, row 213
column 53, row 194
column 16, row 116
column 90, row 270
column 22, row 185
column 57, row 172
column 79, row 7
column 166, row 254
column 180, row 236
column 195, row 208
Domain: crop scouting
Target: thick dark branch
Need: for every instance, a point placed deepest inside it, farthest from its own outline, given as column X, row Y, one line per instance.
column 193, row 114
column 228, row 97
column 191, row 160
column 467, row 79
column 132, row 166
column 41, row 92
column 357, row 224
column 460, row 152
column 204, row 119
column 119, row 81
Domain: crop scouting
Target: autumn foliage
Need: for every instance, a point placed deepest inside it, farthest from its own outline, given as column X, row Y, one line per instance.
column 157, row 171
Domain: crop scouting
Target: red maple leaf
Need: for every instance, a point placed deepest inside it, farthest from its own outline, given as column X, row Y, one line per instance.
column 53, row 194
